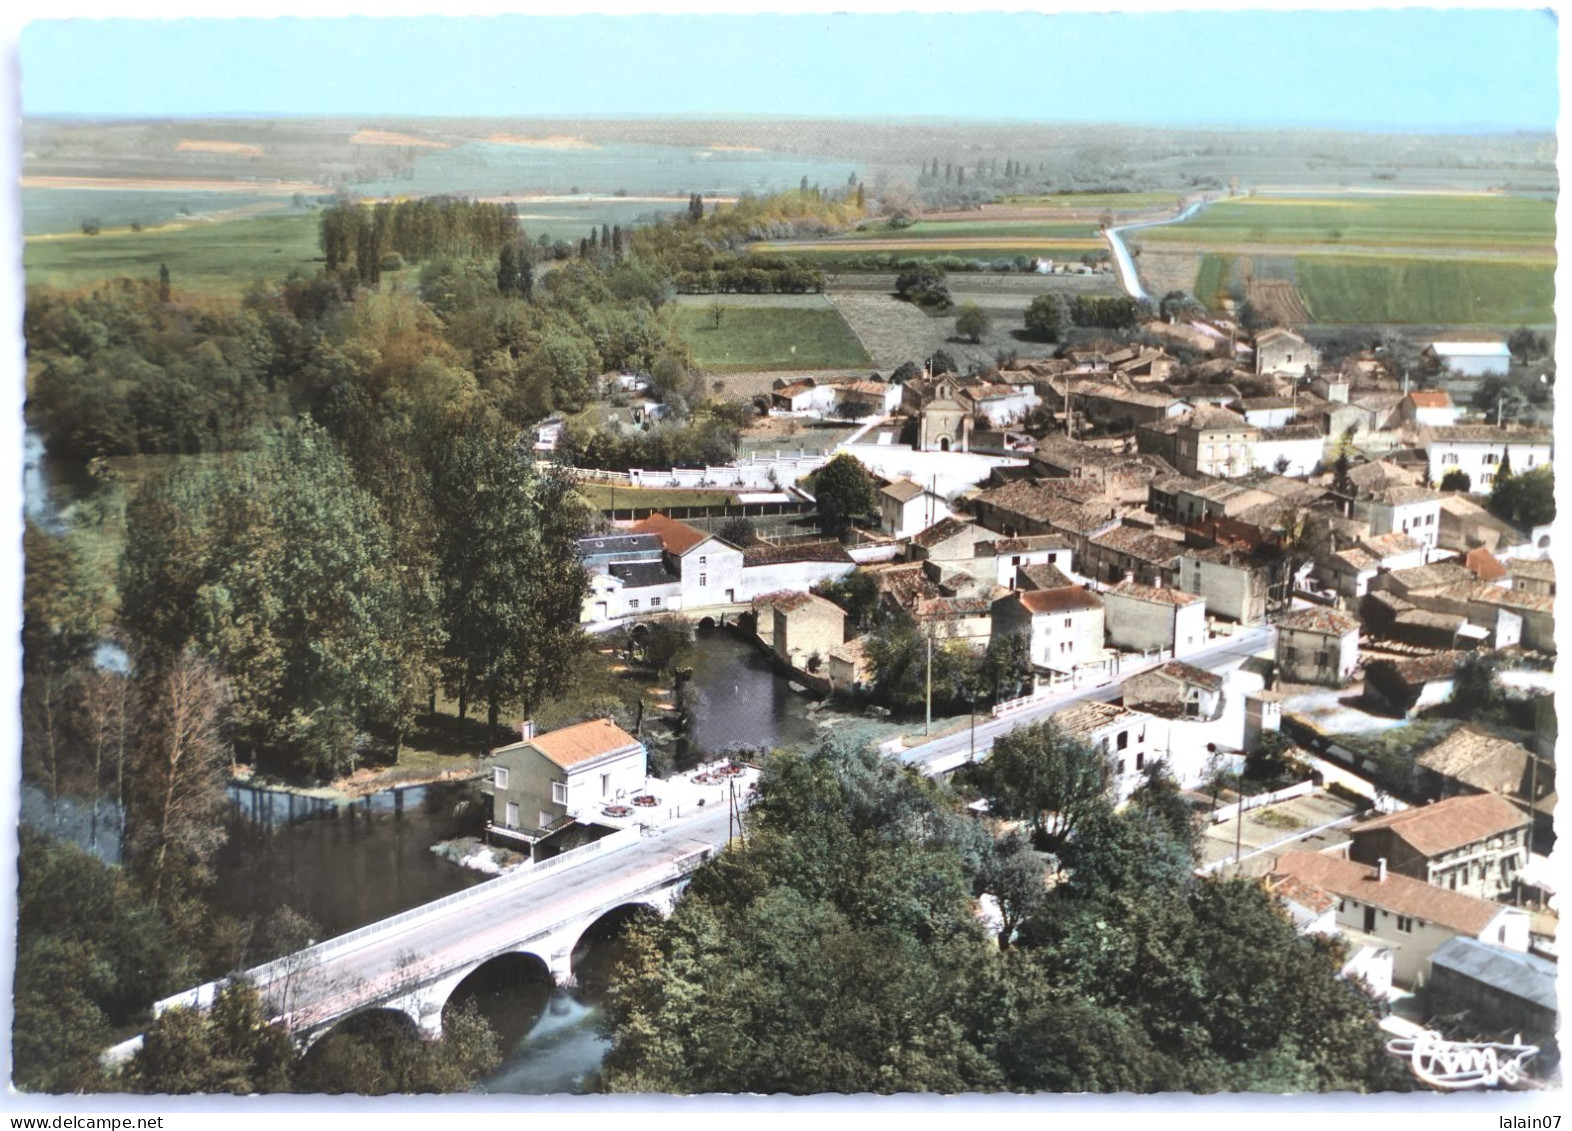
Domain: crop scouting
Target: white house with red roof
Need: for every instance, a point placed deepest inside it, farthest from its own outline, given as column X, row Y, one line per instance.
column 543, row 783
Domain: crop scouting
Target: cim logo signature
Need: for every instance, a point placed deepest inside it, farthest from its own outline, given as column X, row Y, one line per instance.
column 1456, row 1065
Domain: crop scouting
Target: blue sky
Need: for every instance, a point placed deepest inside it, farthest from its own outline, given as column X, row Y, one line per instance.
column 1415, row 69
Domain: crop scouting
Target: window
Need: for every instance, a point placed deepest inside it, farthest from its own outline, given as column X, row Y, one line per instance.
column 1487, row 477
column 1491, row 457
column 1370, row 920
column 654, row 602
column 1501, row 934
column 1449, row 457
column 1069, row 622
column 1124, row 740
column 559, row 792
column 499, row 777
column 634, row 603
column 511, row 818
column 1323, row 660
column 1404, row 923
column 1290, row 654
column 1342, row 905
column 704, row 579
column 703, row 559
column 1140, row 760
column 605, row 785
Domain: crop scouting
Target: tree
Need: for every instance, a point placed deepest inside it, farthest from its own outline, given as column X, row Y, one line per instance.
column 1456, row 480
column 843, row 493
column 739, row 531
column 1525, row 345
column 924, row 285
column 1014, row 874
column 229, row 1047
column 178, row 787
column 510, row 580
column 1476, row 686
column 941, row 363
column 1043, row 318
column 163, row 282
column 1042, row 775
column 972, row 322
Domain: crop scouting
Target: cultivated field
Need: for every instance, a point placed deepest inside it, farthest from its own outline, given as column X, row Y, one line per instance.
column 789, row 332
column 219, row 258
column 1370, row 259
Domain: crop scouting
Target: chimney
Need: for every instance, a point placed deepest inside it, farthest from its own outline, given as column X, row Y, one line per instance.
column 527, row 729
column 1381, row 870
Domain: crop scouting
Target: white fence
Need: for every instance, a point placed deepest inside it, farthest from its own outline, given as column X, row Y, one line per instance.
column 753, row 474
column 1260, row 800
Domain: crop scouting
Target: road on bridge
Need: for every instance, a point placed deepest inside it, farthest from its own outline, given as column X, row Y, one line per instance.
column 429, row 948
column 953, row 750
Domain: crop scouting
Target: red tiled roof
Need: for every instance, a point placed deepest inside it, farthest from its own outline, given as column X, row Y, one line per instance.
column 1485, row 565
column 1430, row 398
column 571, row 745
column 1401, row 895
column 1453, row 823
column 1324, row 621
column 677, row 537
column 1164, row 595
column 1059, row 600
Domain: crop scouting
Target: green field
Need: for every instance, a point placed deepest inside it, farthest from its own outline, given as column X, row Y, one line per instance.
column 824, row 253
column 1377, row 221
column 1380, row 289
column 1213, row 276
column 760, row 336
column 223, row 257
column 981, row 229
column 1117, row 201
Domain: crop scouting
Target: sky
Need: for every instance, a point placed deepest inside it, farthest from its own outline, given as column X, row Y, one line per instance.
column 1414, row 69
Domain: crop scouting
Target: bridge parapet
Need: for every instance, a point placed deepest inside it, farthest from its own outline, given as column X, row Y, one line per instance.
column 290, row 965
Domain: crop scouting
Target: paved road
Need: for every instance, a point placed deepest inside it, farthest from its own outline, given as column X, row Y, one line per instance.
column 1129, row 278
column 945, row 754
column 441, row 943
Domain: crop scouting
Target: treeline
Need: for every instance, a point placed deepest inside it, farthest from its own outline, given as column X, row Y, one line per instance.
column 752, row 275
column 709, row 437
column 421, row 229
column 837, row 948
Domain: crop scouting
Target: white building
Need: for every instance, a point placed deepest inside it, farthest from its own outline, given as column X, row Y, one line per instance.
column 1130, row 740
column 1149, row 618
column 1412, row 917
column 1478, row 449
column 1063, row 629
column 1472, row 359
column 907, row 508
column 1428, row 408
column 1282, row 352
column 1414, row 511
column 708, row 568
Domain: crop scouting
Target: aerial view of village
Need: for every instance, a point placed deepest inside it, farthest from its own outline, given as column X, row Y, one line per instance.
column 741, row 581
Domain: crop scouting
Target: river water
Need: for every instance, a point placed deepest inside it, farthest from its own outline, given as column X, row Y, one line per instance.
column 347, row 866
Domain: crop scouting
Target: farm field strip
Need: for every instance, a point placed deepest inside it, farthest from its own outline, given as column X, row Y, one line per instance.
column 788, row 335
column 963, row 249
column 979, row 229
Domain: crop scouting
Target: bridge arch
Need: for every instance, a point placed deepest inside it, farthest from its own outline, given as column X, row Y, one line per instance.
column 594, row 950
column 510, row 990
column 375, row 1025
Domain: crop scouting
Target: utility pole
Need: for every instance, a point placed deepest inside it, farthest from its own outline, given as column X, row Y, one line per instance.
column 928, row 717
column 971, row 757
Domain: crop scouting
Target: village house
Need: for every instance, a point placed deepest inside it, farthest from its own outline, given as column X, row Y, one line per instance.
column 848, row 665
column 1349, row 572
column 948, row 540
column 1115, row 476
column 1476, row 844
column 1292, row 449
column 1281, row 352
column 1043, row 576
column 1405, row 687
column 1333, row 387
column 1116, row 408
column 1317, row 645
column 1411, row 916
column 708, row 568
column 543, row 783
column 1486, row 566
column 1011, row 554
column 803, row 397
column 548, row 433
column 1477, row 450
column 1128, row 551
column 905, row 508
column 968, row 619
column 793, row 566
column 1427, row 408
column 807, row 629
column 999, row 405
column 1233, row 582
column 1150, row 618
column 1063, row 627
column 1130, row 740
column 1414, row 511
column 627, row 574
column 1340, row 418
column 1188, row 499
column 1027, row 507
column 1466, row 525
column 1176, row 689
column 1313, row 911
column 1532, row 575
column 1267, row 412
column 1214, row 441
column 1471, row 761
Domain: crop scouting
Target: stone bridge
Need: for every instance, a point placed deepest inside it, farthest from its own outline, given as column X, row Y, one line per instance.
column 413, row 962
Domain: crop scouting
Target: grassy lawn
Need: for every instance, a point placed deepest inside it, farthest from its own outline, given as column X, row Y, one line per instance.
column 219, row 258
column 603, row 496
column 1117, row 201
column 1387, row 221
column 1426, row 291
column 769, row 337
column 884, row 251
column 1047, row 229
